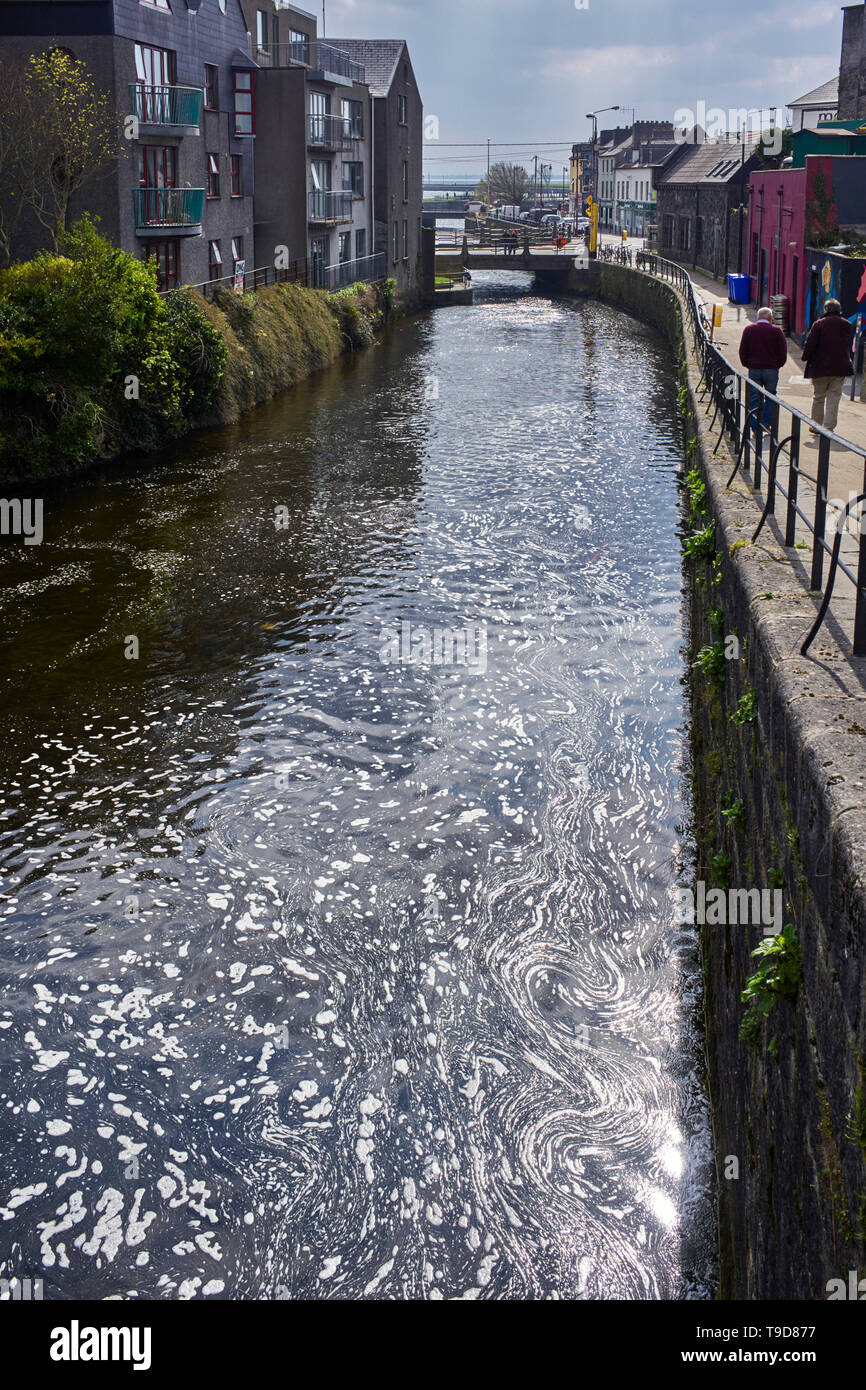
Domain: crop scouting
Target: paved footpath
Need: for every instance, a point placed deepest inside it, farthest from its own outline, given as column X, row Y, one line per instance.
column 846, row 468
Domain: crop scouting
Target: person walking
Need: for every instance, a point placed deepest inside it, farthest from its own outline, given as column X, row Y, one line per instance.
column 827, row 354
column 763, row 352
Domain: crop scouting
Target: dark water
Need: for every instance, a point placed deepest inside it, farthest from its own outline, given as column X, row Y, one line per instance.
column 328, row 975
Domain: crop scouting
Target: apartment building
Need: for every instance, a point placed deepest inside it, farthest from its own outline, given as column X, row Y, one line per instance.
column 626, row 159
column 397, row 139
column 182, row 191
column 313, row 149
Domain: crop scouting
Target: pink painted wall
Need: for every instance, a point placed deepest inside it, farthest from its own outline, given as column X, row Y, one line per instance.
column 782, row 270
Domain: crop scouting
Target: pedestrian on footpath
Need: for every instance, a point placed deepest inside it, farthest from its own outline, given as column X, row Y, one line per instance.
column 763, row 352
column 827, row 354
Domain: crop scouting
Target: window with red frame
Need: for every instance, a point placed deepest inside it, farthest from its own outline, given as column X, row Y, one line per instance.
column 245, row 116
column 237, row 251
column 237, row 176
column 155, row 67
column 211, row 87
column 166, row 256
column 157, row 166
column 213, row 176
column 214, row 261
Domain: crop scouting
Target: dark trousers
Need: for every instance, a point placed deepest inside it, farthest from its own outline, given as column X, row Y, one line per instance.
column 768, row 377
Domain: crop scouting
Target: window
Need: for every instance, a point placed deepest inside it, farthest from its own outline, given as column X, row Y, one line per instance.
column 275, row 34
column 685, row 233
column 165, row 254
column 223, row 4
column 300, row 46
column 353, row 119
column 214, row 261
column 211, row 87
column 154, row 66
column 396, row 243
column 262, row 29
column 320, row 173
column 157, row 4
column 345, row 247
column 237, row 175
column 360, row 244
column 402, row 110
column 667, row 230
column 405, row 240
column 319, row 251
column 237, row 251
column 699, row 234
column 245, row 122
column 213, row 176
column 353, row 179
column 157, row 166
column 405, row 181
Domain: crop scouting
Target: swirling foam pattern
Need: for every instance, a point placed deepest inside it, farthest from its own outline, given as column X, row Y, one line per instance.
column 331, row 977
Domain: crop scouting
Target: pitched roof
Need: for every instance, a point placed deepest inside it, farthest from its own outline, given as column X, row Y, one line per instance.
column 828, row 95
column 379, row 57
column 715, row 161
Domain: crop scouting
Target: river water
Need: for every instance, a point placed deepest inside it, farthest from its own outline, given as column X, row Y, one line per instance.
column 338, row 954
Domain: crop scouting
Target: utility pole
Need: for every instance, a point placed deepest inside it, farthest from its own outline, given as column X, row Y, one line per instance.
column 489, row 199
column 323, row 18
column 535, row 182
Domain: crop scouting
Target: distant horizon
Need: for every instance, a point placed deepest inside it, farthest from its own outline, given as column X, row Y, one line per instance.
column 501, row 68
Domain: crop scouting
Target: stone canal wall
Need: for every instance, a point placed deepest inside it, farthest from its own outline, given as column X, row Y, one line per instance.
column 779, row 771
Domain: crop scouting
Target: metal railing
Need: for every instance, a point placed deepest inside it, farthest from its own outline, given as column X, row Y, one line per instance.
column 296, row 272
column 366, row 270
column 328, row 206
column 165, row 105
column 320, row 57
column 738, row 405
column 167, row 207
column 327, row 132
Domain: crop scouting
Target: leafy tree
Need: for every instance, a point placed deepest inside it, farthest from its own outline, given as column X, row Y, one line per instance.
column 509, row 183
column 70, row 136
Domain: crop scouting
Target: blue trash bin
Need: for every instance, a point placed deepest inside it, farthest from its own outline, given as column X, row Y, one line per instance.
column 738, row 289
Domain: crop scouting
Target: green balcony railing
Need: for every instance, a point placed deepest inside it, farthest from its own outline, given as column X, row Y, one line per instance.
column 167, row 207
column 166, row 105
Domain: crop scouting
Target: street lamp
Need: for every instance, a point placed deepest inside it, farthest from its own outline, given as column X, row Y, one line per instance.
column 593, row 116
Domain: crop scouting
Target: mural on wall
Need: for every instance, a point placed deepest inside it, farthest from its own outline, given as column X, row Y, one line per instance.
column 831, row 276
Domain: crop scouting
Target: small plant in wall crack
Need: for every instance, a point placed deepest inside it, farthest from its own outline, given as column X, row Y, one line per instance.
column 855, row 1129
column 720, row 868
column 778, row 976
column 701, row 545
column 711, row 660
column 735, row 813
column 746, row 711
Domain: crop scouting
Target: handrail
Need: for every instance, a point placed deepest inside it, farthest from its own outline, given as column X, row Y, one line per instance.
column 739, row 405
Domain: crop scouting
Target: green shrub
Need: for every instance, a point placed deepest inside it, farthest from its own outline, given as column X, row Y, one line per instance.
column 778, row 977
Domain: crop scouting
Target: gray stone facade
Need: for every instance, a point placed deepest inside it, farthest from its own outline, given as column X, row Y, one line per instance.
column 852, row 68
column 105, row 36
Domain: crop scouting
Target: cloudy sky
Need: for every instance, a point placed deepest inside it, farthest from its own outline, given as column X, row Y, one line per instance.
column 527, row 71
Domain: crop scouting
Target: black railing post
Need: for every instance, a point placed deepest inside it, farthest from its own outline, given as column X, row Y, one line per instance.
column 793, row 482
column 820, row 511
column 774, row 439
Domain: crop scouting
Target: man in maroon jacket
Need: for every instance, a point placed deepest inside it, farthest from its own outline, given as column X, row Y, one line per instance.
column 764, row 351
column 827, row 354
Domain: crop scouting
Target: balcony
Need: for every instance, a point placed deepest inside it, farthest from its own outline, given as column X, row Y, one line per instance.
column 171, row 211
column 326, row 64
column 326, row 206
column 327, row 132
column 166, row 109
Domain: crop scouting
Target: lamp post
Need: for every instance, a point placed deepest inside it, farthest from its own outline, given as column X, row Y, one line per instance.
column 593, row 116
